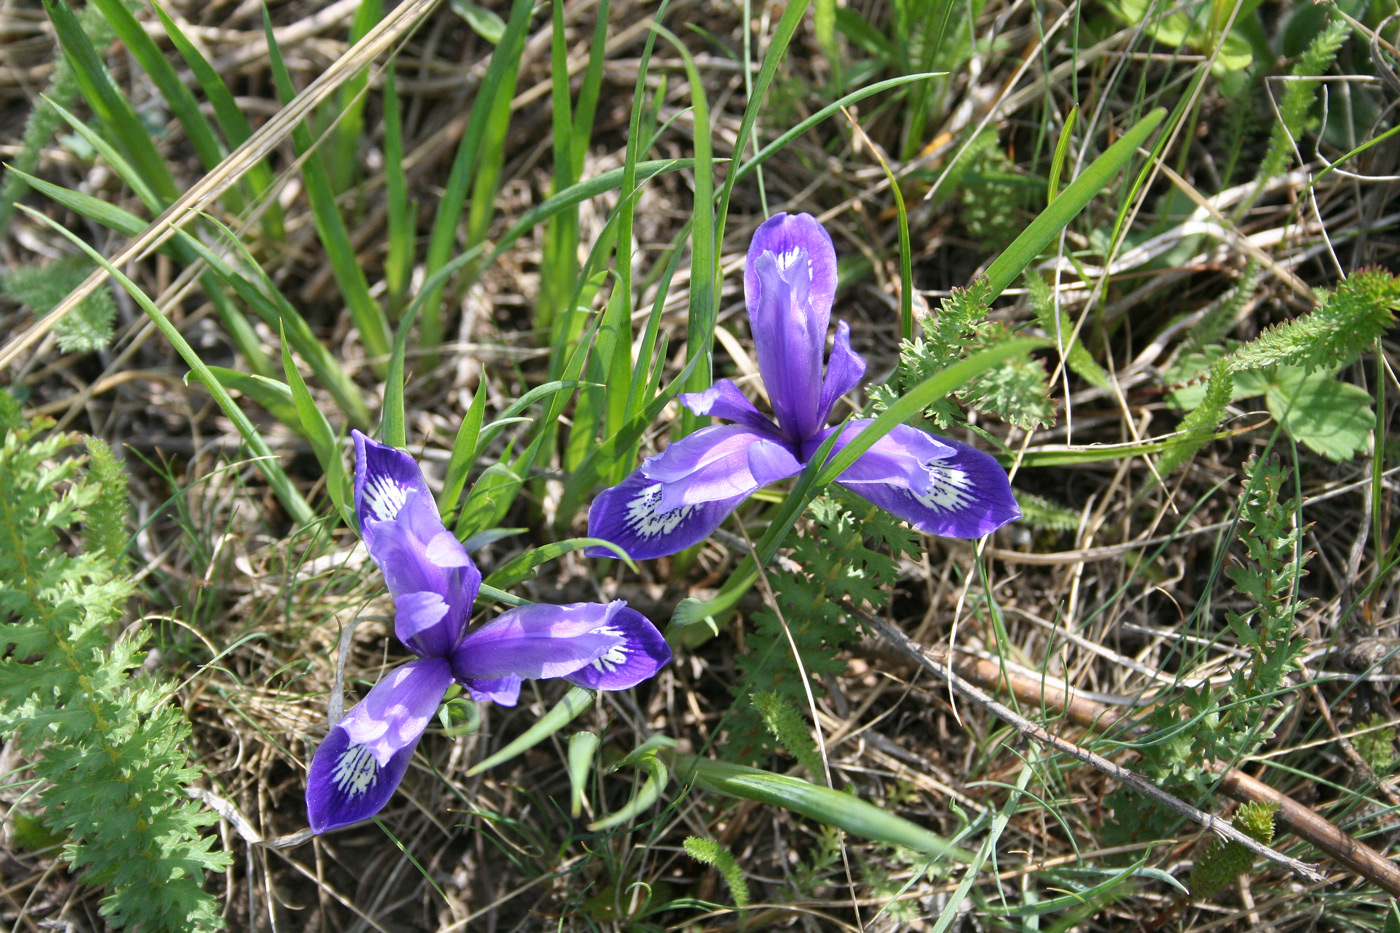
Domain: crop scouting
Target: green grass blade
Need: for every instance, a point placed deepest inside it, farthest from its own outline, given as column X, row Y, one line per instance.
column 777, row 47
column 1057, row 162
column 107, row 101
column 177, row 96
column 642, row 801
column 831, row 807
column 318, row 431
column 1056, row 216
column 230, row 118
column 282, row 486
column 344, row 148
column 464, row 449
column 275, row 396
column 402, row 213
column 923, row 395
column 330, row 226
column 521, row 568
column 464, row 164
column 119, row 163
column 704, row 260
column 564, row 712
column 583, row 747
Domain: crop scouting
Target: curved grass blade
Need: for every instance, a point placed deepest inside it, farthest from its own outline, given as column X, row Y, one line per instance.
column 520, row 568
column 281, row 485
column 582, row 748
column 822, row 804
column 1057, row 215
column 643, row 800
column 564, row 712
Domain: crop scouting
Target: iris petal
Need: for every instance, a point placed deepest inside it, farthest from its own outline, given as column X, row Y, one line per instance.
column 724, row 400
column 964, row 494
column 346, row 785
column 542, row 641
column 384, row 478
column 789, row 285
column 356, row 769
column 716, row 463
column 844, row 371
column 630, row 516
column 396, row 711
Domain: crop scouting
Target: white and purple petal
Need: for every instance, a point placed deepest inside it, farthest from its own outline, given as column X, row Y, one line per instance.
column 964, row 494
column 719, row 462
column 384, row 478
column 346, row 785
column 356, row 769
column 640, row 651
column 724, row 400
column 395, row 712
column 542, row 641
column 789, row 286
column 630, row 516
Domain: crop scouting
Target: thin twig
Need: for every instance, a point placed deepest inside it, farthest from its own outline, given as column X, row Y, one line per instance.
column 1124, row 776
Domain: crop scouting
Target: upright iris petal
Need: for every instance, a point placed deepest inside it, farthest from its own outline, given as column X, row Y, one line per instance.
column 681, row 495
column 434, row 583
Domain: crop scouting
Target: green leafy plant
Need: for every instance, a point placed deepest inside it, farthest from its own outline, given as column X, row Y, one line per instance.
column 1225, row 861
column 88, row 327
column 106, row 746
column 1292, row 365
column 1014, row 390
column 1203, row 725
column 712, row 853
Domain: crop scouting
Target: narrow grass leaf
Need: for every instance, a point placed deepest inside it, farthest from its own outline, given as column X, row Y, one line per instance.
column 522, row 567
column 111, row 107
column 1023, row 250
column 230, row 118
column 464, row 448
column 642, row 801
column 464, row 165
column 318, row 430
column 564, row 712
column 275, row 396
column 583, row 747
column 831, row 807
column 281, row 484
column 1057, row 162
column 181, row 102
column 330, row 226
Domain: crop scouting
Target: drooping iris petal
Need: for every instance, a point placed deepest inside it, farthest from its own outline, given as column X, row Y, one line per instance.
column 384, row 477
column 724, row 400
column 844, row 370
column 355, row 771
column 346, row 785
column 789, row 284
column 894, row 458
column 542, row 641
column 640, row 652
column 503, row 691
column 630, row 516
column 718, row 463
column 962, row 495
column 396, row 711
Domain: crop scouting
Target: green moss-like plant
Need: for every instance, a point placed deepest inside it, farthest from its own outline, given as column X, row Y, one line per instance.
column 105, row 741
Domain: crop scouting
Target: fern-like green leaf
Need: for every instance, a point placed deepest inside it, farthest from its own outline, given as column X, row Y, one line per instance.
column 1334, row 334
column 712, row 853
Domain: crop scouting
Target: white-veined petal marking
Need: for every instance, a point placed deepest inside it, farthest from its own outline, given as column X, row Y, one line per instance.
column 355, row 770
column 385, row 497
column 617, row 654
column 950, row 489
column 646, row 521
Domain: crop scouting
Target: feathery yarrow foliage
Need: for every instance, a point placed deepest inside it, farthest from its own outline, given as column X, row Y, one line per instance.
column 1204, row 725
column 1298, row 96
column 850, row 553
column 1225, row 861
column 1014, row 391
column 107, row 746
column 1336, row 332
column 712, row 853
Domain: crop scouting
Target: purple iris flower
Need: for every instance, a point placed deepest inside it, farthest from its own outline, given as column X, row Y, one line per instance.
column 678, row 497
column 434, row 583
